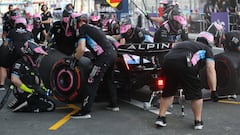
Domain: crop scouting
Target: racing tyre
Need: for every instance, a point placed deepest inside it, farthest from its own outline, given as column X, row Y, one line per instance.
column 228, row 73
column 46, row 64
column 67, row 83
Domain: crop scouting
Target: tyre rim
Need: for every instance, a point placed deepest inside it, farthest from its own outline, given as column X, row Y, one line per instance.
column 64, row 80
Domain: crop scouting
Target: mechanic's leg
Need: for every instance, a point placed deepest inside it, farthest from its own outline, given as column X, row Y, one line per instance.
column 3, row 75
column 94, row 79
column 111, row 87
column 197, row 108
column 89, row 97
column 165, row 102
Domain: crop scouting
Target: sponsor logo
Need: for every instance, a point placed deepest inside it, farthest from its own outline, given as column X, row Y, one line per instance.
column 145, row 47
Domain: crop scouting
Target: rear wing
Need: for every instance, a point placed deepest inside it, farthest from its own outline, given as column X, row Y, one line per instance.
column 144, row 49
column 144, row 53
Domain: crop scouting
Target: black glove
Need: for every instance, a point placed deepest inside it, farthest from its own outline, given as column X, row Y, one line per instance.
column 214, row 96
column 73, row 63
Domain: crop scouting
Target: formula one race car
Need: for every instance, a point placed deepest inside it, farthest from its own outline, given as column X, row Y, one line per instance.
column 137, row 65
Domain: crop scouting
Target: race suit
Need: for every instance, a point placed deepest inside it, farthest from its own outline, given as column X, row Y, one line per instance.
column 182, row 65
column 105, row 54
column 138, row 36
column 36, row 102
column 61, row 42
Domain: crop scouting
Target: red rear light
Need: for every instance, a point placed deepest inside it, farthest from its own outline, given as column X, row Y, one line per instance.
column 160, row 83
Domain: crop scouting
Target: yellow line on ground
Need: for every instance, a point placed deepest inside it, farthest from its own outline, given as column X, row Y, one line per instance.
column 229, row 102
column 65, row 118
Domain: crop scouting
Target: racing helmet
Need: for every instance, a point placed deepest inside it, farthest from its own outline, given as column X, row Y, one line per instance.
column 166, row 3
column 32, row 49
column 71, row 24
column 113, row 27
column 163, row 2
column 94, row 19
column 14, row 14
column 217, row 30
column 176, row 20
column 21, row 23
column 125, row 26
column 82, row 17
column 73, row 20
column 36, row 20
column 68, row 10
column 232, row 41
column 206, row 38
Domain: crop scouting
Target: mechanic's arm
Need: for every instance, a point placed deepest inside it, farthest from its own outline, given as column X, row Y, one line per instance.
column 122, row 41
column 211, row 74
column 18, row 83
column 156, row 19
column 48, row 21
column 80, row 48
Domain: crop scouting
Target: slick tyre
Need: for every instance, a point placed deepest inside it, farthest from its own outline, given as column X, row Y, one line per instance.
column 228, row 73
column 46, row 64
column 67, row 84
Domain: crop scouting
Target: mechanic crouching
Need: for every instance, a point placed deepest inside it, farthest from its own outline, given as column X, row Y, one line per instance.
column 30, row 95
column 105, row 55
column 181, row 67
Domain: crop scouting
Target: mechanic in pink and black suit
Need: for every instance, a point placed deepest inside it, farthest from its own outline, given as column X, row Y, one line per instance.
column 105, row 54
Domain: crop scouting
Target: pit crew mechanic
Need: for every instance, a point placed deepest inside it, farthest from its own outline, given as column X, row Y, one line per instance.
column 181, row 66
column 15, row 40
column 8, row 24
column 173, row 25
column 29, row 95
column 130, row 34
column 105, row 54
column 64, row 34
column 39, row 31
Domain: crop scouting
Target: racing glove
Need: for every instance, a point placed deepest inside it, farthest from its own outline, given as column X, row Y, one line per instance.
column 73, row 63
column 214, row 96
column 26, row 89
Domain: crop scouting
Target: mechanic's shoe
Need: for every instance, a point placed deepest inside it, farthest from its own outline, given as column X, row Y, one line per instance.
column 14, row 103
column 2, row 88
column 161, row 121
column 22, row 105
column 198, row 125
column 81, row 115
column 113, row 108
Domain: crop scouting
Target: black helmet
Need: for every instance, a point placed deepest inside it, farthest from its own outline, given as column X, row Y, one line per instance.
column 68, row 10
column 176, row 20
column 206, row 38
column 232, row 41
column 83, row 17
column 36, row 18
column 217, row 29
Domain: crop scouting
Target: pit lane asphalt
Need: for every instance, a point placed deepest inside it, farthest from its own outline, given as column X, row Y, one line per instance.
column 219, row 119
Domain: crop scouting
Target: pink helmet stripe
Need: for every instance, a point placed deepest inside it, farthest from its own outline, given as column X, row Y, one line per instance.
column 40, row 50
column 125, row 28
column 180, row 19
